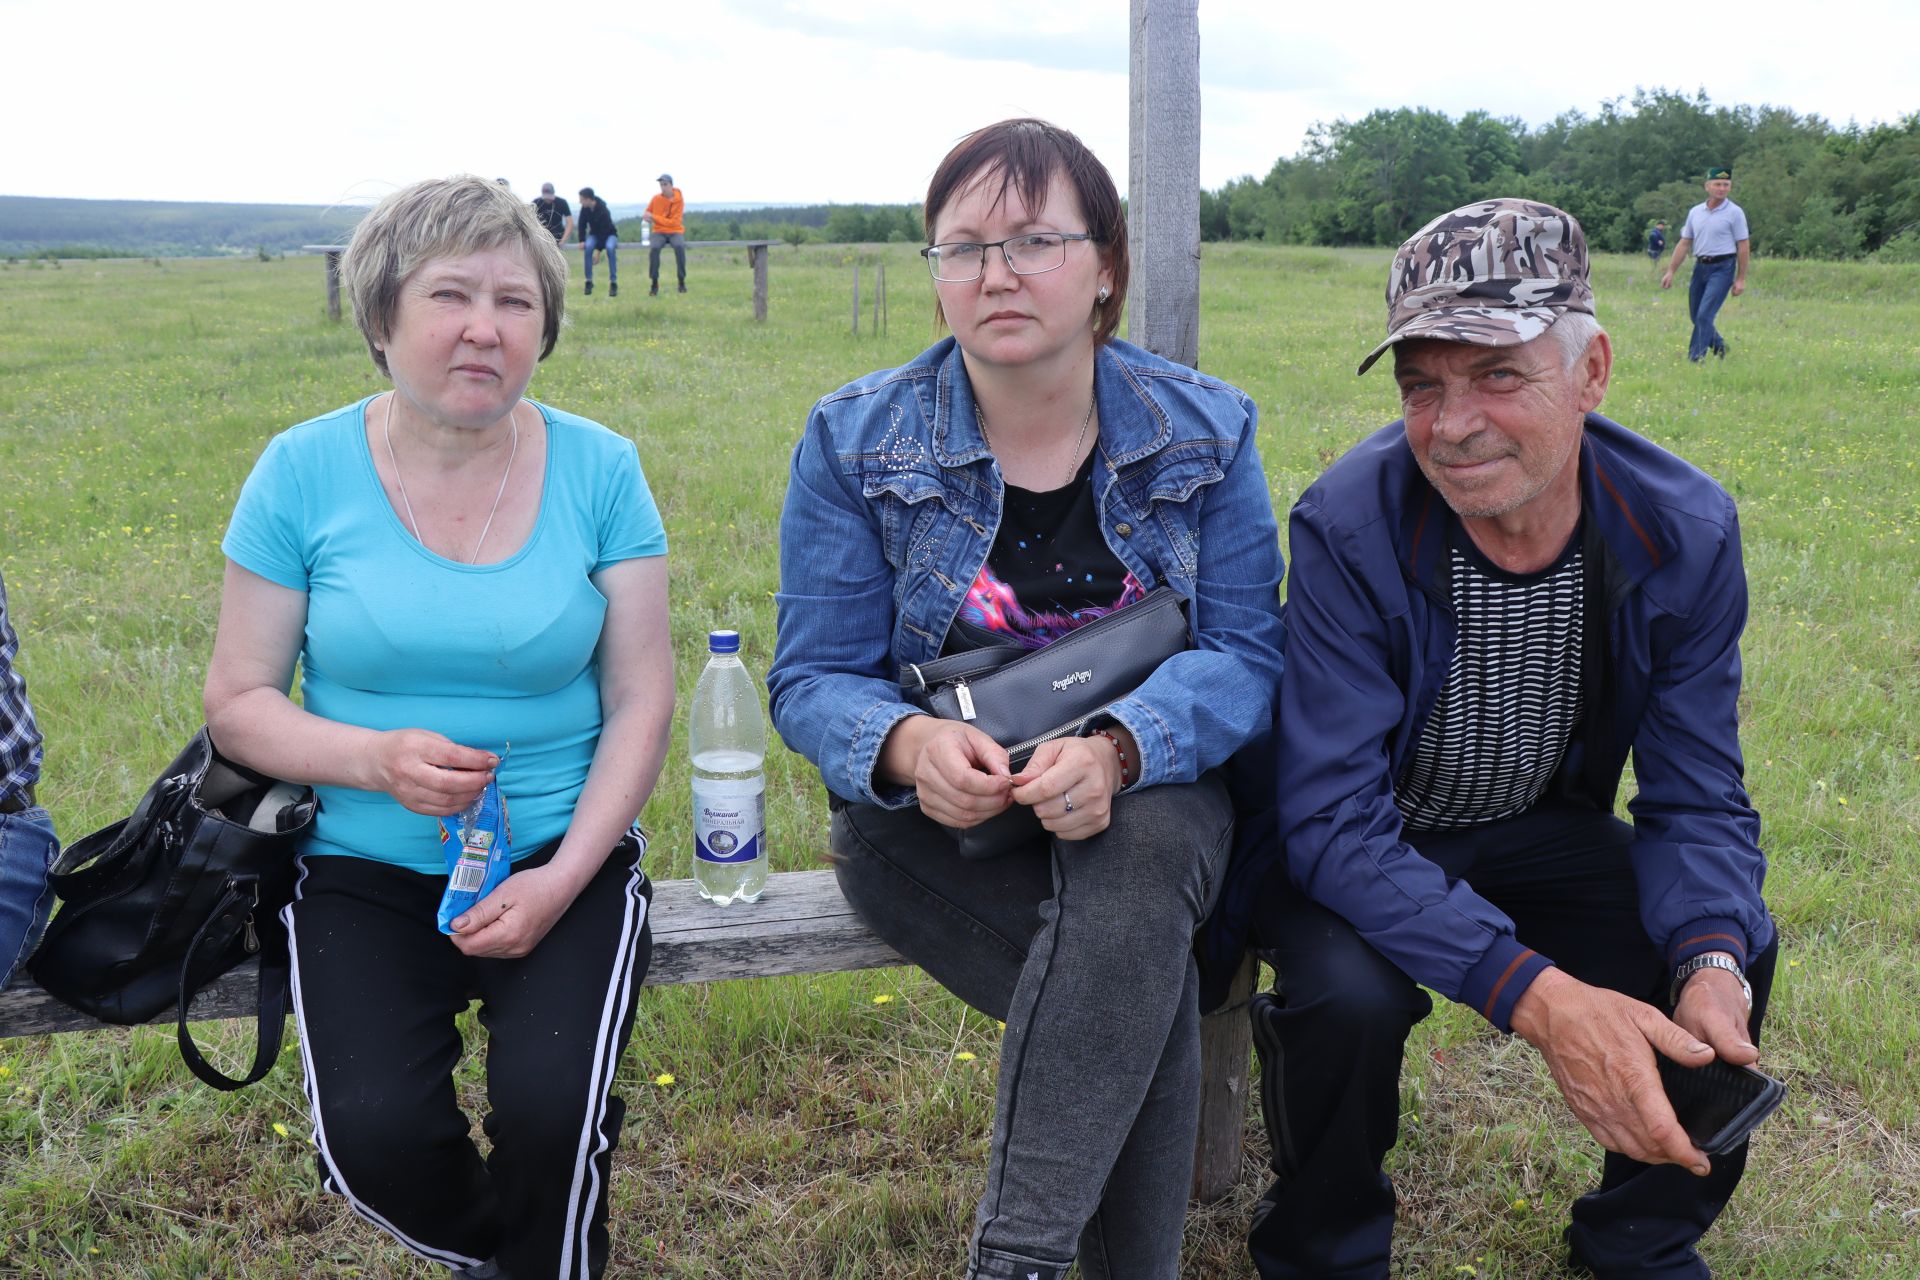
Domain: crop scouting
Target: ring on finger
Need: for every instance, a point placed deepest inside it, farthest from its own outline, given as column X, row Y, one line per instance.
column 1068, row 797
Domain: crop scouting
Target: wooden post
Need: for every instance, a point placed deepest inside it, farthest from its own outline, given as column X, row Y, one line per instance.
column 757, row 256
column 333, row 284
column 879, row 292
column 856, row 299
column 1226, row 1043
column 1163, row 186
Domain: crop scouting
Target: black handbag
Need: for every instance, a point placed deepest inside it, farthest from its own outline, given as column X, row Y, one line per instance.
column 161, row 903
column 1023, row 697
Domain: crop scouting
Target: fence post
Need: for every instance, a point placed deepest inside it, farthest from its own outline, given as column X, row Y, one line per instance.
column 856, row 299
column 1163, row 188
column 333, row 284
column 757, row 255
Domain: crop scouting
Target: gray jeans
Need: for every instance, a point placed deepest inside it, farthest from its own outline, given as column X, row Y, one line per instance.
column 661, row 240
column 1084, row 950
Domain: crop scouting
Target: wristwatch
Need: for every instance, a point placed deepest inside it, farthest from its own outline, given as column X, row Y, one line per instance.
column 1709, row 960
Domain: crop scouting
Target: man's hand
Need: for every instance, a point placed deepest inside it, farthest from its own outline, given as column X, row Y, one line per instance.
column 1666, row 279
column 511, row 921
column 1600, row 1046
column 1714, row 1008
column 1739, row 287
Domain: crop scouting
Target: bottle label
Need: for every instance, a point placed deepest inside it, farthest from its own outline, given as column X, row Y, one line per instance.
column 729, row 819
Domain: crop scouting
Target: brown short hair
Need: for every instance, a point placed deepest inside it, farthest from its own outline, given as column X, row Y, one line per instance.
column 439, row 218
column 1025, row 154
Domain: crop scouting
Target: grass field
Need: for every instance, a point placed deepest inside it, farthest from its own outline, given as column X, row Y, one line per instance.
column 837, row 1127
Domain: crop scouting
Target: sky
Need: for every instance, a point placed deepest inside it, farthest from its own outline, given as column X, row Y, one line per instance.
column 811, row 101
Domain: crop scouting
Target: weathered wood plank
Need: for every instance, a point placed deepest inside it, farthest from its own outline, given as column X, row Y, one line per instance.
column 801, row 925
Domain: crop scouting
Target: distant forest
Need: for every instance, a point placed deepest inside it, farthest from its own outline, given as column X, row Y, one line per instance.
column 1810, row 189
column 31, row 226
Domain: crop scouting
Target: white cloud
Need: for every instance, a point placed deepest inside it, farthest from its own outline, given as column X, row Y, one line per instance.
column 809, row 100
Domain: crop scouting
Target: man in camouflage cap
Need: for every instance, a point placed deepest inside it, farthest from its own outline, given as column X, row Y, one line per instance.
column 1492, row 602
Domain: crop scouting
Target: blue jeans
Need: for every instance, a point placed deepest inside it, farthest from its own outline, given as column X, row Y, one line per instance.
column 612, row 245
column 27, row 849
column 1085, row 951
column 1706, row 291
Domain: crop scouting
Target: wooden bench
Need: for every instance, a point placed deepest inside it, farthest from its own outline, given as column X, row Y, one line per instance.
column 756, row 258
column 801, row 925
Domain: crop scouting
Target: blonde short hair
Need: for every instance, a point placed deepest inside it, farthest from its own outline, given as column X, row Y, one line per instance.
column 442, row 218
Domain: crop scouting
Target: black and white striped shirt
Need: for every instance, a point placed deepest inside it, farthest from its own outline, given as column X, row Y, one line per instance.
column 1504, row 717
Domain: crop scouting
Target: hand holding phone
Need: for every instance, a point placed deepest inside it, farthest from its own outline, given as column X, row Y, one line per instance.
column 1719, row 1104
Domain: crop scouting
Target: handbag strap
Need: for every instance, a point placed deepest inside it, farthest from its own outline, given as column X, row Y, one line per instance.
column 271, row 1012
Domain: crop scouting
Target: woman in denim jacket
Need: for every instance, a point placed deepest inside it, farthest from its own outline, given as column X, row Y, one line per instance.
column 1012, row 482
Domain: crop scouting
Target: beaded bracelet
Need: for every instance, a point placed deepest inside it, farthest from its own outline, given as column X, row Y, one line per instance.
column 1126, row 778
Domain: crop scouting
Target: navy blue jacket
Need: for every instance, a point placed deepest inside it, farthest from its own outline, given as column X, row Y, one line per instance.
column 1370, row 635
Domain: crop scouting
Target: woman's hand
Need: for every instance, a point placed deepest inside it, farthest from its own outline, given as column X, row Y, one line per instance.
column 511, row 921
column 960, row 773
column 428, row 772
column 1087, row 770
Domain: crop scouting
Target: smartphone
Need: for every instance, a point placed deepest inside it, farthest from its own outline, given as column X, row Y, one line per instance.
column 1719, row 1104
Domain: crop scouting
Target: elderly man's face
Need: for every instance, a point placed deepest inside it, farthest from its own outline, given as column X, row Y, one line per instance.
column 1494, row 428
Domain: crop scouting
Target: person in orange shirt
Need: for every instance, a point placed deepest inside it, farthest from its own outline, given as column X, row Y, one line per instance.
column 666, row 212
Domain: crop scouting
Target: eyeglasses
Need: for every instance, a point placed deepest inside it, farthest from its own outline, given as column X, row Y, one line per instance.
column 1033, row 254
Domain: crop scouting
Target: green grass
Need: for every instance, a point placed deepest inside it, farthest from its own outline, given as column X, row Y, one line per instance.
column 810, row 1131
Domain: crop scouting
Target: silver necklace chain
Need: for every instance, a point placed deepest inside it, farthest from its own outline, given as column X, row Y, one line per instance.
column 1073, row 462
column 413, row 521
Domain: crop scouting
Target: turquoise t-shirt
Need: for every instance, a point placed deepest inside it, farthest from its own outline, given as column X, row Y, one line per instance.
column 398, row 637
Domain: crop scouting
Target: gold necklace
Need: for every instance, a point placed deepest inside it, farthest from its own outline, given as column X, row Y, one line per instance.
column 413, row 522
column 1073, row 462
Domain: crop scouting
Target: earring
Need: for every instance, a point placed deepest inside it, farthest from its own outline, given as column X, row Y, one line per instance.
column 1102, row 295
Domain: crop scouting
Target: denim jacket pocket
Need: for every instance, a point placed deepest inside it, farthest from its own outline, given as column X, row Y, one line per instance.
column 910, row 504
column 1157, row 490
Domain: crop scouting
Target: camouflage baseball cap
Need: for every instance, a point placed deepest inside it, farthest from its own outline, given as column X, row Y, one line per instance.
column 1495, row 273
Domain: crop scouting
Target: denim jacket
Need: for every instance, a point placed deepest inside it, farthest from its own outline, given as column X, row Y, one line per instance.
column 892, row 507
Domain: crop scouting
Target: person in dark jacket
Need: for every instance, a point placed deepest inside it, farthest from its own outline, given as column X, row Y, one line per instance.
column 597, row 232
column 1492, row 602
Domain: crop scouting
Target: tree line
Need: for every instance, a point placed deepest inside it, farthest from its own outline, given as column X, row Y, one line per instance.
column 1810, row 189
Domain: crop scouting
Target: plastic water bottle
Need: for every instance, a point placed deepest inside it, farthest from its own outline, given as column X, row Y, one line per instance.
column 727, row 737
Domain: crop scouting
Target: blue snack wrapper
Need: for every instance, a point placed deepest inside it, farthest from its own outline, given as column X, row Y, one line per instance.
column 479, row 850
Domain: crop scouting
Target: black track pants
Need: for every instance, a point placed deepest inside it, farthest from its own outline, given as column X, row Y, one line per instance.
column 376, row 989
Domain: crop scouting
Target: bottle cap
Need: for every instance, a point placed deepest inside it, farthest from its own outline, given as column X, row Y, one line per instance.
column 723, row 642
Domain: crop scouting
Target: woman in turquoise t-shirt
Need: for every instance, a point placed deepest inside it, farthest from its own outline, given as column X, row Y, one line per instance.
column 474, row 589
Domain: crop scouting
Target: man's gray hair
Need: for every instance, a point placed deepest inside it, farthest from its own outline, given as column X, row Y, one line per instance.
column 1575, row 332
column 444, row 218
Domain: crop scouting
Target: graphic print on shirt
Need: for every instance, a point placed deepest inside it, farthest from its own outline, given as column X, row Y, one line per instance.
column 993, row 606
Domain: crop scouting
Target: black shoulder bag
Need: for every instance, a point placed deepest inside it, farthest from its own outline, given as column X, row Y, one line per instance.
column 161, row 903
column 1023, row 697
